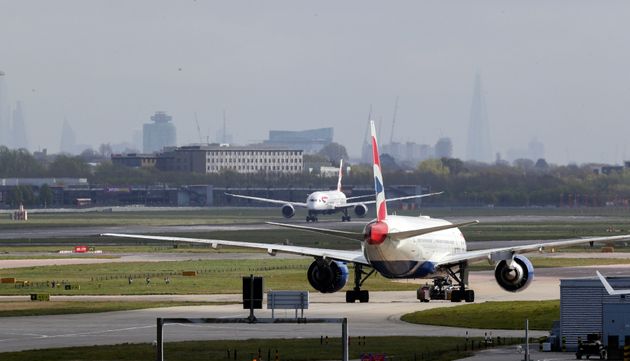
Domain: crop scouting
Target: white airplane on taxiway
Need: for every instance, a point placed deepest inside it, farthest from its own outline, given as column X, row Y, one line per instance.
column 327, row 202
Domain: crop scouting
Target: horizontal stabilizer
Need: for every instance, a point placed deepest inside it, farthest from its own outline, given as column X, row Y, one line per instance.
column 419, row 232
column 355, row 236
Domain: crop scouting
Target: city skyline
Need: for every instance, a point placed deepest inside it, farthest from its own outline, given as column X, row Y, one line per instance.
column 284, row 66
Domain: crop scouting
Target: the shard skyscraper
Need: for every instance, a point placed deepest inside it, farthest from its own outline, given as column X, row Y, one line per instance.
column 479, row 147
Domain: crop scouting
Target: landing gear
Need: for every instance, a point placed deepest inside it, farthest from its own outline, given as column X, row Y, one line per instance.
column 357, row 294
column 443, row 288
column 345, row 217
column 461, row 277
column 311, row 218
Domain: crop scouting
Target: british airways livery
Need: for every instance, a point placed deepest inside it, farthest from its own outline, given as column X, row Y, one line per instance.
column 326, row 202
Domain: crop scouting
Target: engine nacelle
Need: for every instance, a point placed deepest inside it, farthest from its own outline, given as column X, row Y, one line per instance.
column 515, row 277
column 288, row 211
column 360, row 210
column 327, row 277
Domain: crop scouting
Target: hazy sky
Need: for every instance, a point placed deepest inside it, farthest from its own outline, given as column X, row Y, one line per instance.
column 557, row 70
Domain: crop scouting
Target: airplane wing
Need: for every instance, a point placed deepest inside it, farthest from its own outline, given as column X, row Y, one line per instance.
column 505, row 253
column 352, row 204
column 275, row 201
column 339, row 255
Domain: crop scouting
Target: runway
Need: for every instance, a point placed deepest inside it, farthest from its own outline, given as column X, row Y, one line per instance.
column 379, row 317
column 356, row 224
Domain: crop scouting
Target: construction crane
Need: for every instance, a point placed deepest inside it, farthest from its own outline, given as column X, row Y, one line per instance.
column 391, row 136
column 198, row 129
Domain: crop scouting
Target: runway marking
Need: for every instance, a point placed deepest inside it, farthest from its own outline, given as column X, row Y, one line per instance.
column 40, row 336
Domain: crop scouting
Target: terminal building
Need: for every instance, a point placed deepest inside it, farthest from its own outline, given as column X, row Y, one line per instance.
column 216, row 158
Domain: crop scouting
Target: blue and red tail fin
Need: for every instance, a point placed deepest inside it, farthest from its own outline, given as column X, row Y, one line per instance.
column 340, row 175
column 381, row 206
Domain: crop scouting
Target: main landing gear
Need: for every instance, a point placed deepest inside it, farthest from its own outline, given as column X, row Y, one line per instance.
column 357, row 294
column 345, row 217
column 443, row 288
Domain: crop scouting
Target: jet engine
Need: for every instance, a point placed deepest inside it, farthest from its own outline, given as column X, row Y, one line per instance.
column 360, row 210
column 514, row 277
column 288, row 211
column 326, row 276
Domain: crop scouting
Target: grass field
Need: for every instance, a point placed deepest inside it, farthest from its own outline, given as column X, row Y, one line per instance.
column 30, row 308
column 509, row 315
column 398, row 347
column 214, row 277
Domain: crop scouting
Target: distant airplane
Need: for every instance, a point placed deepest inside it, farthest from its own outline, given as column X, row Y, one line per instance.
column 327, row 202
column 611, row 291
column 402, row 247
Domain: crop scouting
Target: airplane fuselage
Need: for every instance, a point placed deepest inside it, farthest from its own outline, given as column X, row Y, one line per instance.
column 325, row 201
column 411, row 257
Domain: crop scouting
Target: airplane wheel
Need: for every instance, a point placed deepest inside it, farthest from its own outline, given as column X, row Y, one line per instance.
column 314, row 219
column 364, row 296
column 350, row 296
column 456, row 296
column 469, row 296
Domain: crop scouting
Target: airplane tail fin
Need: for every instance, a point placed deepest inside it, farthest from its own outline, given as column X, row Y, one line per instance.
column 381, row 206
column 340, row 175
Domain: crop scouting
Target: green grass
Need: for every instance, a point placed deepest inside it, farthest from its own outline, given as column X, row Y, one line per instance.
column 400, row 347
column 40, row 308
column 214, row 277
column 508, row 315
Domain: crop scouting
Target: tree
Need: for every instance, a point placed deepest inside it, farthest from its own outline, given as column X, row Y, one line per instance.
column 45, row 195
column 334, row 152
column 434, row 166
column 69, row 166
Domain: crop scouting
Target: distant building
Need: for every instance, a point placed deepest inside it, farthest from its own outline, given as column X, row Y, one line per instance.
column 479, row 147
column 311, row 141
column 216, row 158
column 135, row 160
column 444, row 148
column 19, row 136
column 68, row 139
column 408, row 152
column 159, row 134
column 4, row 128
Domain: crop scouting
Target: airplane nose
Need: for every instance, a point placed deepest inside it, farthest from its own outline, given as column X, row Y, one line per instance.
column 376, row 233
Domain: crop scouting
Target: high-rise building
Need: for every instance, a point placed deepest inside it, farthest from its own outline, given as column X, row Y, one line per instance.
column 311, row 140
column 19, row 137
column 4, row 128
column 479, row 146
column 159, row 134
column 444, row 148
column 68, row 139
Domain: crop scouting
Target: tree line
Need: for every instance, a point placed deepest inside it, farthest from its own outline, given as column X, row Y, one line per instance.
column 523, row 183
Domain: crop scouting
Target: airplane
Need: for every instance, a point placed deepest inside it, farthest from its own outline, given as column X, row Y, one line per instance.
column 327, row 202
column 401, row 247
